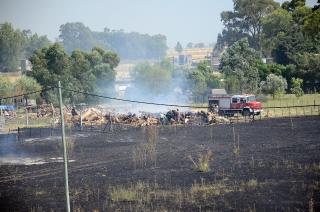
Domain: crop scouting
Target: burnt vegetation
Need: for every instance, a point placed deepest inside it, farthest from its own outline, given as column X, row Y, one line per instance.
column 259, row 166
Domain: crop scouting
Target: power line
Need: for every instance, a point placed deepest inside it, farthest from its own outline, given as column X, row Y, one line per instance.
column 172, row 105
column 141, row 102
column 134, row 101
column 27, row 94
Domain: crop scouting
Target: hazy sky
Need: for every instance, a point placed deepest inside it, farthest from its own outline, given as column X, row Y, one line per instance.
column 179, row 20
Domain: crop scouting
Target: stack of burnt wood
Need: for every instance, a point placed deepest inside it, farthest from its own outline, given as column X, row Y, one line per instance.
column 94, row 116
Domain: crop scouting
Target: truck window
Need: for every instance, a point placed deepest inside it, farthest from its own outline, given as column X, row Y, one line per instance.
column 234, row 100
column 242, row 100
column 251, row 98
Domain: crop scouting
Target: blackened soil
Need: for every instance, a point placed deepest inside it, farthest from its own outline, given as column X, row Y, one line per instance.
column 269, row 165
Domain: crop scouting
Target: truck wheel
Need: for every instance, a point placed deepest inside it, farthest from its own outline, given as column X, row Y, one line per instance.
column 246, row 113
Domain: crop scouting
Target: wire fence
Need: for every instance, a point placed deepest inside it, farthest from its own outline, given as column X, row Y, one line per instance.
column 283, row 109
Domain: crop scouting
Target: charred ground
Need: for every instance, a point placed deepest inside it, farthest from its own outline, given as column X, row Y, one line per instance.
column 263, row 165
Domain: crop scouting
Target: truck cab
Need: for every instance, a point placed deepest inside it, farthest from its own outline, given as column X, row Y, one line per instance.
column 247, row 103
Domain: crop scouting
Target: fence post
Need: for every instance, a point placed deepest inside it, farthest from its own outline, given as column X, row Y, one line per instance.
column 314, row 105
column 80, row 119
column 27, row 117
column 65, row 157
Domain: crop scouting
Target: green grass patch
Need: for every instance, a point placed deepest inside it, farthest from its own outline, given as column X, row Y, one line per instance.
column 288, row 101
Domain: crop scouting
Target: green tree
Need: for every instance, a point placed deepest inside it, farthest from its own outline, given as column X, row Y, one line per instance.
column 76, row 36
column 273, row 68
column 275, row 25
column 296, row 86
column 231, row 84
column 26, row 85
column 87, row 72
column 50, row 65
column 201, row 79
column 246, row 19
column 6, row 89
column 293, row 4
column 274, row 85
column 311, row 26
column 198, row 85
column 127, row 45
column 11, row 47
column 241, row 61
column 154, row 80
column 34, row 42
column 190, row 45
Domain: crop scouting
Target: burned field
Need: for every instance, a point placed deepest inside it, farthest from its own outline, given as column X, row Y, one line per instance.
column 264, row 165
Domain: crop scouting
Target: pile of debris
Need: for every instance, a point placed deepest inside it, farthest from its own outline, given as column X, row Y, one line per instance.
column 97, row 116
column 134, row 120
column 172, row 117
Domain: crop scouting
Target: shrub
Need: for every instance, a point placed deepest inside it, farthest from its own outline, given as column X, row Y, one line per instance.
column 202, row 162
column 146, row 150
column 296, row 84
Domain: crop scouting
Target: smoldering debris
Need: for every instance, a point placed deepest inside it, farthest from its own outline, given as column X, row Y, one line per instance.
column 99, row 115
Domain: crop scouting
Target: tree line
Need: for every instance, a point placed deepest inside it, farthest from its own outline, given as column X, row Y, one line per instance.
column 16, row 44
column 91, row 72
column 130, row 46
column 289, row 34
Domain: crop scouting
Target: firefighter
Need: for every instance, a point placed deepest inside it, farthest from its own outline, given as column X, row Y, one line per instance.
column 177, row 117
column 216, row 109
column 74, row 112
column 162, row 119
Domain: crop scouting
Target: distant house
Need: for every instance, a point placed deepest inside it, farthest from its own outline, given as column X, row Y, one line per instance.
column 189, row 57
column 216, row 56
column 25, row 66
column 123, row 78
column 267, row 60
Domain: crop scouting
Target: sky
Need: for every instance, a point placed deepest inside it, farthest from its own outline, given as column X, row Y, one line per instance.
column 179, row 20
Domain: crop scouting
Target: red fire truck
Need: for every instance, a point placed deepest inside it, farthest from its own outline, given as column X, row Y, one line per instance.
column 227, row 105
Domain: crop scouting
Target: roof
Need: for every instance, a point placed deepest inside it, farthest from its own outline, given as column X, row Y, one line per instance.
column 243, row 95
column 218, row 92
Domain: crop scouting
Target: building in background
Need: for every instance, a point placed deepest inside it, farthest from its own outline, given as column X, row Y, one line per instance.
column 25, row 66
column 190, row 57
column 123, row 78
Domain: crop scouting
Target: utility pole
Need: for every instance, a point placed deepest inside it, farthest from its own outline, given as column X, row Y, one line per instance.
column 65, row 157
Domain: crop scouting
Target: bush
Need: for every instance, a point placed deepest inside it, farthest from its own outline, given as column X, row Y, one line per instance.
column 202, row 162
column 274, row 85
column 296, row 84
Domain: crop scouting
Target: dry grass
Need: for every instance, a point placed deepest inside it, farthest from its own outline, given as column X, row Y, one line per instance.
column 252, row 184
column 202, row 164
column 70, row 144
column 40, row 193
column 236, row 144
column 11, row 77
column 200, row 192
column 139, row 192
column 145, row 151
column 311, row 205
column 291, row 100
